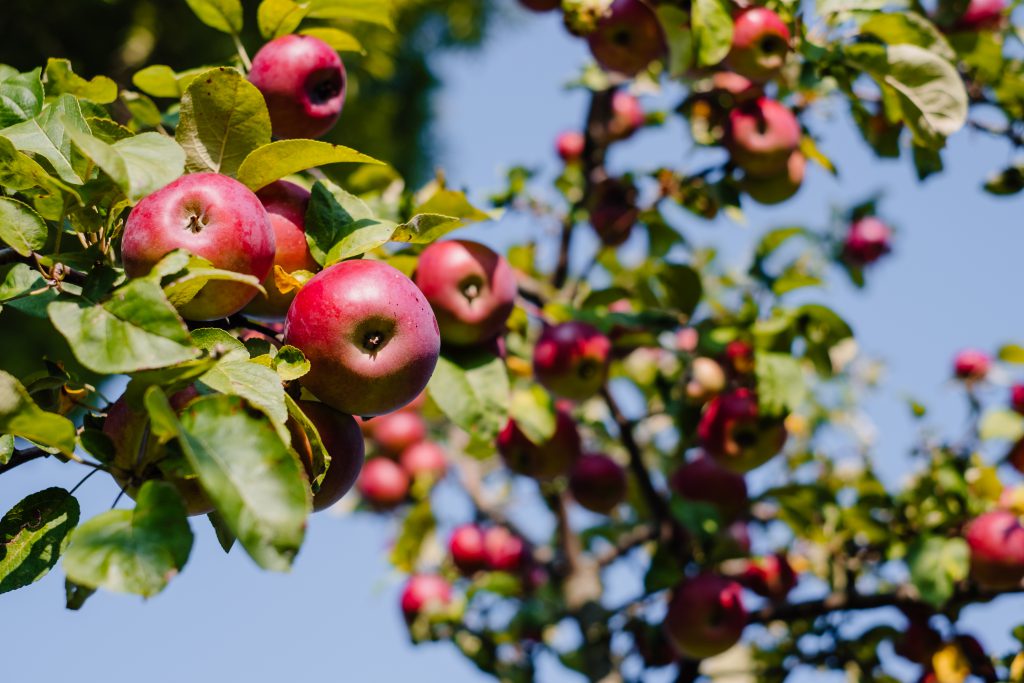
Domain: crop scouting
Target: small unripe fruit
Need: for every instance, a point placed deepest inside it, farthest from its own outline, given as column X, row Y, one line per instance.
column 383, row 483
column 867, row 240
column 598, row 483
column 503, row 550
column 424, row 459
column 569, row 146
column 466, row 547
column 971, row 365
column 734, row 433
column 628, row 38
column 705, row 481
column 996, row 540
column 425, row 593
column 342, row 440
column 761, row 136
column 571, row 360
column 550, row 459
column 705, row 616
column 397, row 431
column 760, row 42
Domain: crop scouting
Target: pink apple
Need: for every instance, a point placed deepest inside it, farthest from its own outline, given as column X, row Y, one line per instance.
column 733, row 432
column 547, row 460
column 569, row 146
column 613, row 210
column 466, row 547
column 996, row 540
column 982, row 15
column 471, row 288
column 425, row 593
column 971, row 365
column 212, row 216
column 286, row 204
column 771, row 576
column 867, row 240
column 760, row 42
column 598, row 483
column 705, row 481
column 395, row 432
column 777, row 188
column 705, row 616
column 627, row 116
column 303, row 81
column 503, row 550
column 383, row 483
column 369, row 334
column 761, row 136
column 627, row 38
column 571, row 360
column 1017, row 398
column 739, row 357
column 424, row 459
column 342, row 440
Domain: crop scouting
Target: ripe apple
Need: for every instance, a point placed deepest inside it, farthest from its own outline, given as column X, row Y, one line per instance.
column 739, row 357
column 571, row 360
column 734, row 433
column 867, row 240
column 569, row 146
column 706, row 379
column 128, row 429
column 771, row 576
column 996, row 540
column 383, row 483
column 303, row 81
column 919, row 640
column 705, row 616
column 425, row 593
column 737, row 88
column 503, row 550
column 286, row 204
column 424, row 459
column 466, row 547
column 627, row 38
column 540, row 5
column 981, row 15
column 613, row 210
column 971, row 365
column 598, row 483
column 396, row 431
column 705, row 481
column 760, row 42
column 471, row 288
column 761, row 136
column 541, row 461
column 1017, row 398
column 369, row 334
column 627, row 116
column 212, row 216
column 342, row 440
column 775, row 189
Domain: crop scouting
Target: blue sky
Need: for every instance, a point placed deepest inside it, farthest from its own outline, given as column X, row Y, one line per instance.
column 950, row 284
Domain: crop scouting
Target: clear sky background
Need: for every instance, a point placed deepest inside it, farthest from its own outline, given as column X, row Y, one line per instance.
column 953, row 282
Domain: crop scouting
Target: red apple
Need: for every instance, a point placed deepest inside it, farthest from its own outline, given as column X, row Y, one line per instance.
column 541, row 5
column 571, row 360
column 541, row 461
column 627, row 116
column 471, row 288
column 737, row 88
column 569, row 146
column 424, row 459
column 777, row 188
column 734, row 433
column 212, row 216
column 598, row 483
column 303, row 81
column 286, row 207
column 395, row 432
column 705, row 616
column 705, row 481
column 613, row 210
column 383, row 483
column 466, row 547
column 771, row 576
column 867, row 240
column 996, row 540
column 503, row 550
column 425, row 593
column 1017, row 398
column 982, row 15
column 369, row 334
column 739, row 357
column 342, row 440
column 971, row 365
column 761, row 136
column 627, row 38
column 760, row 42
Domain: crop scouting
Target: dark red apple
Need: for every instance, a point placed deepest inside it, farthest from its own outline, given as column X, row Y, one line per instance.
column 627, row 38
column 1017, row 398
column 212, row 216
column 627, row 116
column 396, row 431
column 369, row 334
column 503, row 550
column 571, row 360
column 471, row 288
column 982, row 15
column 541, row 5
column 761, row 136
column 705, row 616
column 569, row 146
column 734, row 433
column 303, row 81
column 760, row 42
column 342, row 440
column 613, row 210
column 425, row 593
column 466, row 547
column 383, row 483
column 867, row 240
column 739, row 357
column 598, row 483
column 541, row 461
column 777, row 188
column 424, row 459
column 286, row 204
column 971, row 365
column 705, row 481
column 996, row 540
column 771, row 576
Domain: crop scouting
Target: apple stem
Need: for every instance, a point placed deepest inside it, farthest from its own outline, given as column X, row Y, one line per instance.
column 242, row 54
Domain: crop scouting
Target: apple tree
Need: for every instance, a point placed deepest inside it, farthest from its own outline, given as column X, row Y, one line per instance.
column 247, row 324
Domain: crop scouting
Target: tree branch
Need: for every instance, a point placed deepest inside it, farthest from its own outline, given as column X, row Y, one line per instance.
column 23, row 456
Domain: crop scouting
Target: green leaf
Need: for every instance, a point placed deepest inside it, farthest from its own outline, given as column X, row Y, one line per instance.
column 284, row 157
column 321, row 458
column 371, row 11
column 339, row 225
column 472, row 389
column 45, row 136
column 676, row 25
column 425, row 228
column 257, row 384
column 75, row 594
column 133, row 551
column 417, row 527
column 712, row 30
column 1001, row 424
column 160, row 80
column 61, row 79
column 773, row 239
column 21, row 228
column 183, row 289
column 21, row 98
column 683, row 288
column 279, row 17
column 18, row 171
column 1006, row 182
column 290, row 363
column 220, row 528
column 33, row 534
column 135, row 329
column 6, row 448
column 930, row 93
column 139, row 165
column 220, row 344
column 936, row 565
column 224, row 118
column 911, row 28
column 341, row 41
column 533, row 410
column 223, row 15
column 255, row 481
column 1011, row 353
column 20, row 416
column 780, row 383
